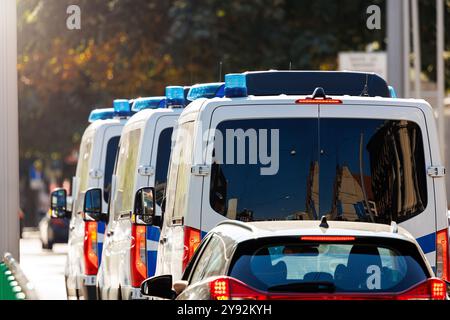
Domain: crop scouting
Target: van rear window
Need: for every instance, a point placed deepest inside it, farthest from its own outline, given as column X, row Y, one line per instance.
column 370, row 170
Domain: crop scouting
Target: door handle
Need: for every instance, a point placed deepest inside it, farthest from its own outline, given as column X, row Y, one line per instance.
column 163, row 240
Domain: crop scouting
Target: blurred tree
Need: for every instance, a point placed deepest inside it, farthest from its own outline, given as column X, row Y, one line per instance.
column 129, row 48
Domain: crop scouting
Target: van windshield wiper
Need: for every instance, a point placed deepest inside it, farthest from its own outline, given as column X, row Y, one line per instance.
column 319, row 286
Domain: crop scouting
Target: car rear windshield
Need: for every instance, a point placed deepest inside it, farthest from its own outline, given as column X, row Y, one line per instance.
column 370, row 170
column 363, row 265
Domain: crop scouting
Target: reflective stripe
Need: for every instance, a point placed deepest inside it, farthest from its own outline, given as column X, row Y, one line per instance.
column 101, row 226
column 153, row 234
column 427, row 242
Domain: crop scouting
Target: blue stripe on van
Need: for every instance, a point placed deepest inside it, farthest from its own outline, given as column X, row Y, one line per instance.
column 427, row 243
column 203, row 234
column 101, row 226
column 153, row 234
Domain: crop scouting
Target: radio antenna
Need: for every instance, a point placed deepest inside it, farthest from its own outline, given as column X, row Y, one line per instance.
column 365, row 92
column 290, row 65
column 220, row 71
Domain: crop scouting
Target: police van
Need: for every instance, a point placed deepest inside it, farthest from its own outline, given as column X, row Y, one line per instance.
column 132, row 234
column 95, row 166
column 297, row 145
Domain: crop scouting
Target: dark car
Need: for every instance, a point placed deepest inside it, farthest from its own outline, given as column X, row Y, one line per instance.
column 53, row 231
column 308, row 260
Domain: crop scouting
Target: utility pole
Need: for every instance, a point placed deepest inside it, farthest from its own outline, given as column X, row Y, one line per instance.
column 395, row 49
column 440, row 67
column 416, row 46
column 9, row 131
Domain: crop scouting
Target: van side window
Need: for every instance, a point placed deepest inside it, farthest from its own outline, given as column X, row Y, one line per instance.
column 125, row 171
column 180, row 172
column 162, row 163
column 111, row 151
column 83, row 170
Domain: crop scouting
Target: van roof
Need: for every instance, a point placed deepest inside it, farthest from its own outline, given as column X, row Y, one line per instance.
column 202, row 105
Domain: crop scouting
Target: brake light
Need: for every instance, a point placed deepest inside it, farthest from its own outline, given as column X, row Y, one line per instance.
column 327, row 238
column 318, row 101
column 227, row 288
column 192, row 239
column 442, row 254
column 90, row 248
column 138, row 254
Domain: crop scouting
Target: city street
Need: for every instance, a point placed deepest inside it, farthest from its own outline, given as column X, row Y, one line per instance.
column 44, row 268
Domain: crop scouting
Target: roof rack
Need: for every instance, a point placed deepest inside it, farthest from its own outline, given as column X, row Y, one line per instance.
column 237, row 223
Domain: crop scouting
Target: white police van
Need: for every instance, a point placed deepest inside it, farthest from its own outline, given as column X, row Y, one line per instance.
column 273, row 150
column 95, row 166
column 132, row 234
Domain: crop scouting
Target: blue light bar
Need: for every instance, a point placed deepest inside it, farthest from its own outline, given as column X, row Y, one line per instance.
column 175, row 96
column 205, row 90
column 148, row 103
column 235, row 85
column 101, row 114
column 122, row 107
column 392, row 92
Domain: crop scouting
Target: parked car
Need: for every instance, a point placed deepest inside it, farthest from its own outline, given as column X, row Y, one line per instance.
column 304, row 260
column 53, row 231
column 342, row 145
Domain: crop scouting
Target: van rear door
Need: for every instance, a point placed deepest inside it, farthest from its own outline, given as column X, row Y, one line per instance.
column 373, row 168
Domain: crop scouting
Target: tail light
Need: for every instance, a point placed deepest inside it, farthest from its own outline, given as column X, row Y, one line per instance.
column 432, row 289
column 90, row 248
column 226, row 288
column 442, row 254
column 192, row 239
column 138, row 254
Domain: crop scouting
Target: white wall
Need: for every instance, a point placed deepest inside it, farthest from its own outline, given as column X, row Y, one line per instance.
column 9, row 138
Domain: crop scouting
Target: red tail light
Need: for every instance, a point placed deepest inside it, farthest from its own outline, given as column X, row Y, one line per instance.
column 442, row 254
column 192, row 239
column 327, row 238
column 90, row 248
column 318, row 101
column 226, row 288
column 138, row 255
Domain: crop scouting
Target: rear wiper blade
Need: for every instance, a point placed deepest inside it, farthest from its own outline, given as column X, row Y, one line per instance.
column 318, row 286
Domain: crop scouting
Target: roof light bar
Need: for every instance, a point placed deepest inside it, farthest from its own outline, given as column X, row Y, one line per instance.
column 235, row 85
column 148, row 103
column 101, row 114
column 206, row 90
column 175, row 96
column 122, row 107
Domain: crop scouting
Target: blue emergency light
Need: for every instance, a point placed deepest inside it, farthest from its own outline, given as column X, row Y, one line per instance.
column 122, row 107
column 206, row 90
column 148, row 103
column 235, row 85
column 392, row 92
column 101, row 114
column 175, row 96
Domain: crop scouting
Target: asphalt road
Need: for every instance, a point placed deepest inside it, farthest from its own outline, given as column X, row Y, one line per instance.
column 44, row 268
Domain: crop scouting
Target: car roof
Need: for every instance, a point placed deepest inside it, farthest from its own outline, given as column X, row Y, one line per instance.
column 246, row 231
